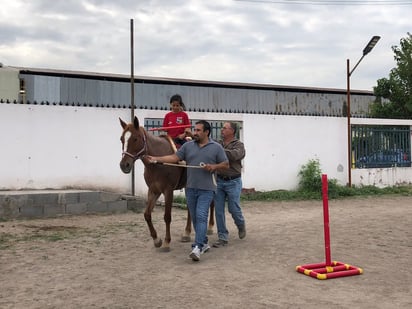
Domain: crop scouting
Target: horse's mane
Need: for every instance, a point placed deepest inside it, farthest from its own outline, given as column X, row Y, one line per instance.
column 172, row 143
column 154, row 138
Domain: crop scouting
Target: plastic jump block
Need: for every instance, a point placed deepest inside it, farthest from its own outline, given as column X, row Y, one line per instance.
column 328, row 269
column 322, row 271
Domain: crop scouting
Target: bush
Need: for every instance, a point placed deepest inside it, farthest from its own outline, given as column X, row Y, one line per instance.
column 310, row 177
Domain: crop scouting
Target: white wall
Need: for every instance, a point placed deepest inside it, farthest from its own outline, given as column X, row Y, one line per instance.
column 278, row 146
column 56, row 147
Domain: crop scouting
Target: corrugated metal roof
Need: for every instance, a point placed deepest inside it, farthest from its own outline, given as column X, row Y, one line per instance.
column 180, row 81
column 77, row 88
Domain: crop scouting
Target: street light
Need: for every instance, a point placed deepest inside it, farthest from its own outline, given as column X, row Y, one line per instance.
column 366, row 51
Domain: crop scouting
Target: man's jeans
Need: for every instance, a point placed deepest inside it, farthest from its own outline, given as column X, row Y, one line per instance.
column 198, row 202
column 231, row 190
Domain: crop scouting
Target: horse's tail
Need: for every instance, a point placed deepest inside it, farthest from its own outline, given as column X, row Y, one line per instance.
column 182, row 180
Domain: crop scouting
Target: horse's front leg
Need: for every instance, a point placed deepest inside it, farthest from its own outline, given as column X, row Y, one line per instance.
column 211, row 219
column 168, row 219
column 188, row 229
column 151, row 202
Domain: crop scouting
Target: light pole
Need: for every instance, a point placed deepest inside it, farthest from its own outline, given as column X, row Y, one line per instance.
column 132, row 89
column 366, row 51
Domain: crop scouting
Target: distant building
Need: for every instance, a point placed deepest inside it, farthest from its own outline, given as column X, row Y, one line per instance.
column 9, row 84
column 60, row 87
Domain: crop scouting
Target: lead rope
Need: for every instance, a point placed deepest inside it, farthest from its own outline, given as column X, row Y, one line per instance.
column 201, row 165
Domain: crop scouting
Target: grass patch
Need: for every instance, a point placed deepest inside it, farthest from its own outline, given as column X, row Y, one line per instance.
column 34, row 233
column 335, row 192
column 5, row 240
column 49, row 233
column 310, row 188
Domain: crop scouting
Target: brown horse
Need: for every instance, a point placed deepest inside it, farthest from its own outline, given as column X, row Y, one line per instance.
column 160, row 179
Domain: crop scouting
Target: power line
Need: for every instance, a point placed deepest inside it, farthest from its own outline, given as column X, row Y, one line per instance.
column 329, row 2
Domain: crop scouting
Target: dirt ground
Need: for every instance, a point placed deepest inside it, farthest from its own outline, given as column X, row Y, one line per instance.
column 109, row 261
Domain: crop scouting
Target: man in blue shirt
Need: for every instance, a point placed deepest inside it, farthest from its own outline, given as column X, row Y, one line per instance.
column 203, row 157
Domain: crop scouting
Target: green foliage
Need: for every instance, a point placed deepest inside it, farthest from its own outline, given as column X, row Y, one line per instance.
column 179, row 201
column 394, row 94
column 310, row 187
column 335, row 192
column 311, row 177
column 281, row 195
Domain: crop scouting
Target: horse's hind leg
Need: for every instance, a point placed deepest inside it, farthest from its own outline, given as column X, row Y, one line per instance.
column 188, row 229
column 211, row 219
column 151, row 202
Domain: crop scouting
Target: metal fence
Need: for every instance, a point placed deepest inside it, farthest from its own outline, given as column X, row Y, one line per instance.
column 381, row 146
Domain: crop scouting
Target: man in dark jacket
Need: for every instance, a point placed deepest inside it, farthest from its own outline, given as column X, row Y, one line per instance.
column 229, row 185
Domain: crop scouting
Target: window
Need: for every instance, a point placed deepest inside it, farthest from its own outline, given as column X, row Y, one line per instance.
column 381, row 146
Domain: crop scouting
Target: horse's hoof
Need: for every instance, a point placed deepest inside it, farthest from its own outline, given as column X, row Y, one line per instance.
column 158, row 243
column 185, row 238
column 209, row 232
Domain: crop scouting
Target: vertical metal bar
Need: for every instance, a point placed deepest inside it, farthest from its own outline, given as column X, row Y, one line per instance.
column 408, row 146
column 348, row 120
column 132, row 90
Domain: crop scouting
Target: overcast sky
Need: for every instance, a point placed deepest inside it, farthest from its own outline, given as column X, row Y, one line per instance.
column 294, row 43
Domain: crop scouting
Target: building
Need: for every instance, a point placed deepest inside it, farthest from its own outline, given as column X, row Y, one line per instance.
column 59, row 87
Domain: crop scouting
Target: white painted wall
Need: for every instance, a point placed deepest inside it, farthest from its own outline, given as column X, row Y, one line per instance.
column 278, row 146
column 55, row 147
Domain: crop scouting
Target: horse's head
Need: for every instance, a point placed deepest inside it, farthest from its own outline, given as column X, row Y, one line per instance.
column 133, row 144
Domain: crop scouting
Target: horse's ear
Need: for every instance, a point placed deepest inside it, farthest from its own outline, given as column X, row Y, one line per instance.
column 122, row 123
column 136, row 123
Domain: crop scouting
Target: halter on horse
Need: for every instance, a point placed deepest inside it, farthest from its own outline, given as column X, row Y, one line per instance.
column 160, row 179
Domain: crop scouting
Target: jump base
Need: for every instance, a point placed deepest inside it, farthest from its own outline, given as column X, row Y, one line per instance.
column 323, row 271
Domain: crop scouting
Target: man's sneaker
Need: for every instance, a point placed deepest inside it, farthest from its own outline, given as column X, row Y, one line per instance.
column 205, row 248
column 195, row 254
column 242, row 231
column 220, row 243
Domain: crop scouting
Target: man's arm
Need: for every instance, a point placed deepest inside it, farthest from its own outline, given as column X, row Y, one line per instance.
column 219, row 166
column 173, row 158
column 236, row 152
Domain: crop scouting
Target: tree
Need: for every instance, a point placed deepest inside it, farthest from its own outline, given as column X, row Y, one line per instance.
column 394, row 94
